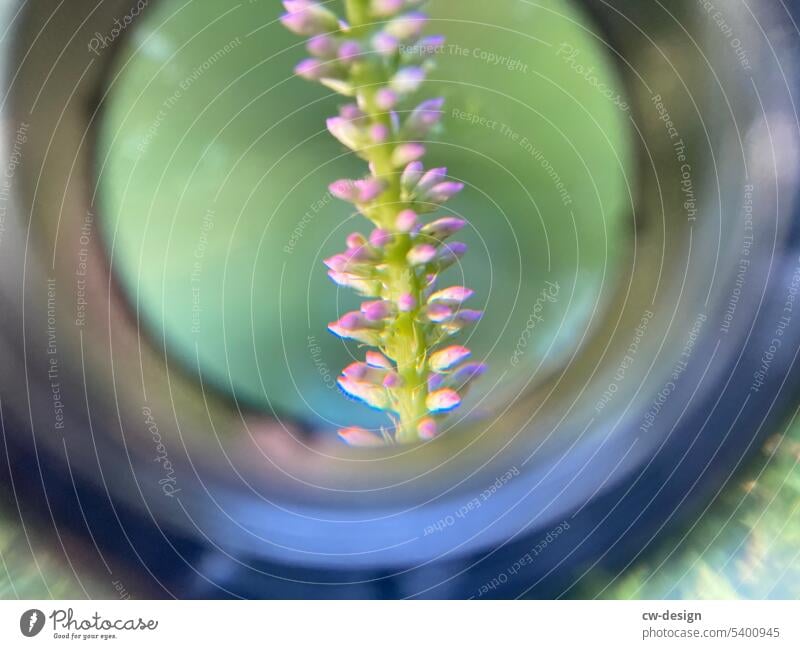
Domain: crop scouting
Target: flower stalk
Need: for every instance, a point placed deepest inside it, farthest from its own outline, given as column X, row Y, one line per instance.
column 378, row 57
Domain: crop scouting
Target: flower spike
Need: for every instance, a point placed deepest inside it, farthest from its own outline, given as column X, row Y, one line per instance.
column 379, row 56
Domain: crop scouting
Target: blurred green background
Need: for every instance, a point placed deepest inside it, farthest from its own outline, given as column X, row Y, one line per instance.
column 213, row 171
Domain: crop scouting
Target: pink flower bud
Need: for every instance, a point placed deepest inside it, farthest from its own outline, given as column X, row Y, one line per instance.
column 443, row 192
column 355, row 240
column 411, row 175
column 406, row 220
column 346, row 132
column 424, row 117
column 376, row 310
column 369, row 393
column 308, row 18
column 378, row 360
column 442, row 400
column 448, row 358
column 312, row 69
column 385, row 44
column 360, row 437
column 431, row 178
column 408, row 26
column 407, row 80
column 442, row 228
column 322, row 46
column 380, row 237
column 421, row 254
column 385, row 99
column 454, row 294
column 406, row 153
column 391, row 380
column 406, row 303
column 386, row 8
column 379, row 133
column 439, row 312
column 427, row 428
column 349, row 50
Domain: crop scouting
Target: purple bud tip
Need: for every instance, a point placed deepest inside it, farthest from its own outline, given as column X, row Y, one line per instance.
column 435, row 381
column 391, row 380
column 350, row 112
column 355, row 241
column 448, row 358
column 308, row 18
column 469, row 315
column 444, row 191
column 349, row 321
column 337, row 262
column 442, row 400
column 379, row 237
column 355, row 370
column 469, row 371
column 342, row 189
column 310, row 69
column 321, row 45
column 349, row 50
column 385, row 99
column 376, row 310
column 379, row 133
column 360, row 437
column 427, row 428
column 431, row 178
column 453, row 250
column 407, row 80
column 406, row 303
column 421, row 254
column 369, row 189
column 385, row 44
column 406, row 220
column 412, row 173
column 444, row 227
column 378, row 360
